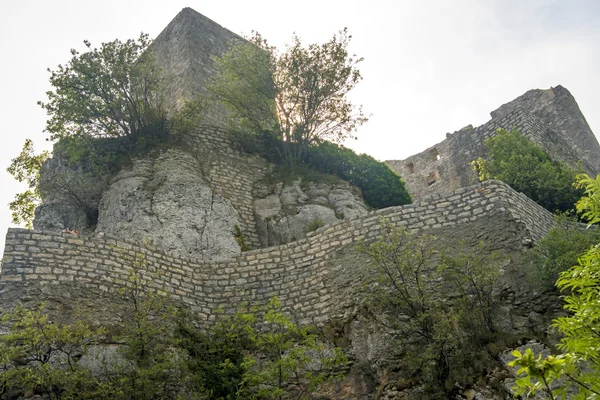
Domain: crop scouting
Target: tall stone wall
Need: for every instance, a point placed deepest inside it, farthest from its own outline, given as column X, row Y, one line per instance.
column 315, row 278
column 446, row 166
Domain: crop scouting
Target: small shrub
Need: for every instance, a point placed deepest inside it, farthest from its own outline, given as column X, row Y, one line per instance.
column 314, row 225
column 380, row 186
column 240, row 239
column 557, row 252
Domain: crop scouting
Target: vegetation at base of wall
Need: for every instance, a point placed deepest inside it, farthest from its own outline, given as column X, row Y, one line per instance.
column 240, row 238
column 524, row 166
column 256, row 353
column 557, row 252
column 578, row 364
column 438, row 341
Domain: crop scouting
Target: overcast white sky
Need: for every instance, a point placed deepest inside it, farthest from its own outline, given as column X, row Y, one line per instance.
column 431, row 66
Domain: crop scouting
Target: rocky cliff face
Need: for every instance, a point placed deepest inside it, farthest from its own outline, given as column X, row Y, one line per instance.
column 165, row 199
column 70, row 197
column 286, row 213
column 172, row 200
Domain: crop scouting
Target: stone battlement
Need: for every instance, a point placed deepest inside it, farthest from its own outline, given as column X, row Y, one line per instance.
column 314, row 278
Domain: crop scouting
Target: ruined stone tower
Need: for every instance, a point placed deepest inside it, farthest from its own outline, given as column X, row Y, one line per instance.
column 551, row 118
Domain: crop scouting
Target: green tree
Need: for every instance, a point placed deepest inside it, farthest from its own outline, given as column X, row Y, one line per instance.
column 524, row 166
column 289, row 362
column 293, row 99
column 40, row 356
column 579, row 363
column 26, row 168
column 436, row 342
column 111, row 91
column 258, row 353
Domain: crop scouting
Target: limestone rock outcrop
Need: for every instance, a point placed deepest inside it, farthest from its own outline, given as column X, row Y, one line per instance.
column 165, row 200
column 286, row 213
column 70, row 197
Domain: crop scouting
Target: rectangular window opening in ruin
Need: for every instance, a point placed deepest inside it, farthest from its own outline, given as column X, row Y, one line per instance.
column 411, row 168
column 434, row 155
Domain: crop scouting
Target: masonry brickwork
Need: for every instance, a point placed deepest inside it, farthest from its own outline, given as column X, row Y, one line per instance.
column 312, row 277
column 231, row 173
column 445, row 167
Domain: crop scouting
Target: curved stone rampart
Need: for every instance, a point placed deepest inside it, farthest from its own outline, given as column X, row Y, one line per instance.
column 308, row 276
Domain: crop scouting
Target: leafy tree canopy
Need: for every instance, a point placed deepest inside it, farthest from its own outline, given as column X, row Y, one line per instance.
column 524, row 166
column 111, row 91
column 298, row 96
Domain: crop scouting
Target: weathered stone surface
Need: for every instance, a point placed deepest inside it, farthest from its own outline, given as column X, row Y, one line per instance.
column 70, row 197
column 557, row 109
column 185, row 49
column 287, row 213
column 166, row 200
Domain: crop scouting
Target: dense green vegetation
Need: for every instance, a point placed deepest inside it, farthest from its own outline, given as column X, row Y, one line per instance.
column 558, row 251
column 256, row 353
column 437, row 342
column 578, row 364
column 524, row 166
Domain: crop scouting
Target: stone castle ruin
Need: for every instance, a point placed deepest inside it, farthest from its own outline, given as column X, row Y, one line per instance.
column 188, row 203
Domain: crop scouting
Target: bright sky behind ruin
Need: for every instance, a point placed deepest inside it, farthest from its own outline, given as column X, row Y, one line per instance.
column 431, row 67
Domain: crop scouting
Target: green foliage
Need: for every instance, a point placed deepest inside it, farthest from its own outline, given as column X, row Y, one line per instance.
column 40, row 356
column 259, row 353
column 297, row 98
column 26, row 168
column 589, row 204
column 112, row 91
column 557, row 252
column 240, row 239
column 314, row 225
column 524, row 166
column 437, row 342
column 380, row 186
column 579, row 363
column 544, row 372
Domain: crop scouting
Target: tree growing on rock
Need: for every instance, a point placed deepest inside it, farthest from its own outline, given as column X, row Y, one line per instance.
column 291, row 99
column 111, row 91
